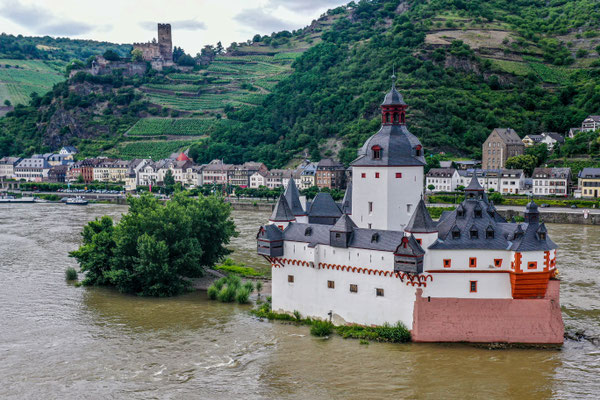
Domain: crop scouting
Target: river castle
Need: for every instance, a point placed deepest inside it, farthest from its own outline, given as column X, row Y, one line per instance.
column 378, row 257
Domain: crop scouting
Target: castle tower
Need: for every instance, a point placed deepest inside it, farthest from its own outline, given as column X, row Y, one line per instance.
column 165, row 44
column 387, row 176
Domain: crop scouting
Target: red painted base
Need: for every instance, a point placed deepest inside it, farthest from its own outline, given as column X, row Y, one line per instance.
column 533, row 321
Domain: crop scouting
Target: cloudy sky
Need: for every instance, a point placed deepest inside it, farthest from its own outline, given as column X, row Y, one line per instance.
column 195, row 23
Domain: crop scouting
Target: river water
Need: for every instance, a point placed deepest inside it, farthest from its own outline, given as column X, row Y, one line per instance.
column 58, row 341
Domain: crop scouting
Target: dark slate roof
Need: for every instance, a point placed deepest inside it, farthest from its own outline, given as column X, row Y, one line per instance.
column 393, row 97
column 347, row 200
column 282, row 211
column 420, row 221
column 269, row 232
column 589, row 173
column 361, row 238
column 412, row 247
column 398, row 148
column 530, row 239
column 474, row 185
column 344, row 224
column 329, row 163
column 324, row 206
column 292, row 195
column 508, row 135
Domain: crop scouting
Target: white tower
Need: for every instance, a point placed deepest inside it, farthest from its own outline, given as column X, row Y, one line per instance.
column 387, row 176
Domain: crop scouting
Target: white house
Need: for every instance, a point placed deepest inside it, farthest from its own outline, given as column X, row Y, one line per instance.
column 443, row 179
column 591, row 123
column 389, row 261
column 512, row 181
column 32, row 169
column 551, row 181
column 258, row 179
column 487, row 178
column 7, row 166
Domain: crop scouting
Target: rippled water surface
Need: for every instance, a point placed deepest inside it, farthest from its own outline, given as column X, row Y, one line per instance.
column 60, row 342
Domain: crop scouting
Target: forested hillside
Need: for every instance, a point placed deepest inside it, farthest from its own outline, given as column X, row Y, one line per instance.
column 464, row 67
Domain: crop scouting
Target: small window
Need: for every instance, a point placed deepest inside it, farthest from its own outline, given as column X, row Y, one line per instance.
column 408, row 207
column 396, row 118
column 474, row 234
column 331, row 284
column 398, row 174
column 497, row 262
column 542, row 235
column 376, row 152
column 472, row 262
column 290, row 278
column 532, row 265
column 447, row 263
column 379, row 292
column 280, row 227
column 420, row 241
column 363, row 175
column 353, row 288
column 376, row 174
column 375, row 238
column 308, row 231
column 489, row 233
column 338, row 235
column 455, row 233
column 473, row 286
column 370, row 207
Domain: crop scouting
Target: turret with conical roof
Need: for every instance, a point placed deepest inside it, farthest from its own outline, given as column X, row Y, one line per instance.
column 282, row 214
column 420, row 221
column 341, row 232
column 292, row 195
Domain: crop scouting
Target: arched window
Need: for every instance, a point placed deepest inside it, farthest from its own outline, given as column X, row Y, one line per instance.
column 395, row 118
column 377, row 150
column 387, row 118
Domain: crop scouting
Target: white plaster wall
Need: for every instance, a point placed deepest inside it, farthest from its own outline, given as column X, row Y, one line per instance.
column 489, row 285
column 389, row 195
column 460, row 259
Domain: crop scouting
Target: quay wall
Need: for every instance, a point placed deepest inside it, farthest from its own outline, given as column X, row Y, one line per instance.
column 557, row 217
column 528, row 321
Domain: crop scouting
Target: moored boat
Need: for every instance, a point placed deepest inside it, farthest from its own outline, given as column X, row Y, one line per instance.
column 77, row 201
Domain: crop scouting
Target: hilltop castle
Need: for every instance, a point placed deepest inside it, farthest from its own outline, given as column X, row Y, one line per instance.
column 378, row 257
column 158, row 53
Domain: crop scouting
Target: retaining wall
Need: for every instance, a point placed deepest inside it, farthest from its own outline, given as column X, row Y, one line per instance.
column 531, row 321
column 576, row 217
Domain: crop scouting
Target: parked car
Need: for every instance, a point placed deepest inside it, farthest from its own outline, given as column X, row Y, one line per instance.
column 573, row 205
column 544, row 205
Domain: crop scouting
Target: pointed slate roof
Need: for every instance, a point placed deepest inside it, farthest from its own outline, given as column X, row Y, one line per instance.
column 420, row 221
column 282, row 212
column 292, row 195
column 323, row 205
column 269, row 233
column 344, row 224
column 347, row 200
column 393, row 97
column 474, row 185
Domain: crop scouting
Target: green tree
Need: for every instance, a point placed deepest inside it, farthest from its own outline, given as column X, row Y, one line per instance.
column 80, row 179
column 137, row 55
column 539, row 151
column 7, row 103
column 169, row 182
column 525, row 162
column 155, row 248
column 431, row 187
column 111, row 55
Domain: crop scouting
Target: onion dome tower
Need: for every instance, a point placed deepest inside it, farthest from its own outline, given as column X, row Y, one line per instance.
column 387, row 176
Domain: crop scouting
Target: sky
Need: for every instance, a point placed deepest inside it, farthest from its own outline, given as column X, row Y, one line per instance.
column 195, row 23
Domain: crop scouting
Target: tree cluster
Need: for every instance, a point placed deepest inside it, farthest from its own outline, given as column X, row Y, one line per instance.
column 154, row 249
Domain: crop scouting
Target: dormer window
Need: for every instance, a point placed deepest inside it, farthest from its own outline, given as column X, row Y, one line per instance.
column 460, row 212
column 489, row 233
column 455, row 233
column 308, row 231
column 375, row 238
column 418, row 149
column 478, row 212
column 542, row 235
column 473, row 233
column 377, row 150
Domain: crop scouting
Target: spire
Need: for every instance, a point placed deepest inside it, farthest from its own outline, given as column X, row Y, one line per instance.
column 292, row 195
column 474, row 185
column 532, row 214
column 420, row 221
column 347, row 200
column 282, row 212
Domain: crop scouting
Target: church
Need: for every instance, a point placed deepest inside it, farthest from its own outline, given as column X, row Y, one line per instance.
column 378, row 257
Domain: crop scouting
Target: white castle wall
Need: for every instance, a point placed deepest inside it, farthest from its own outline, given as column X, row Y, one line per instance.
column 390, row 196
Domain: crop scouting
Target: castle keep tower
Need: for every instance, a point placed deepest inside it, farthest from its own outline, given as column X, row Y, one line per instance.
column 165, row 44
column 387, row 176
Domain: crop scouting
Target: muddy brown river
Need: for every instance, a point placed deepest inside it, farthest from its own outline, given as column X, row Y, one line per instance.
column 58, row 341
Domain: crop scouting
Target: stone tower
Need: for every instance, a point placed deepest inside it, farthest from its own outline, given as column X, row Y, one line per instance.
column 165, row 44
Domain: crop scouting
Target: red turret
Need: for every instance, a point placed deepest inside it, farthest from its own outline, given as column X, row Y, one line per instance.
column 393, row 108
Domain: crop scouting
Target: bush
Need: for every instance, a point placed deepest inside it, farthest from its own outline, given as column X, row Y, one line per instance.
column 71, row 274
column 249, row 286
column 243, row 295
column 259, row 286
column 394, row 334
column 321, row 328
column 213, row 292
column 219, row 283
column 227, row 294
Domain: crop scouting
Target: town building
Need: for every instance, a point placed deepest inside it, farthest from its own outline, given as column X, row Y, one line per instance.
column 502, row 144
column 7, row 166
column 33, row 169
column 552, row 139
column 532, row 140
column 551, row 181
column 470, row 277
column 330, row 174
column 589, row 182
column 591, row 123
column 294, row 174
column 216, row 172
column 239, row 175
column 466, row 164
column 274, row 178
column 111, row 170
column 307, row 177
column 512, row 181
column 57, row 174
column 442, row 180
column 487, row 178
column 258, row 179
